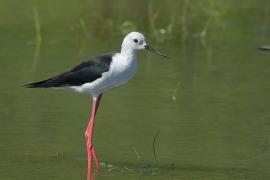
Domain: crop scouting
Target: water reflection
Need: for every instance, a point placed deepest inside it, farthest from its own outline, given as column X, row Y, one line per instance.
column 91, row 174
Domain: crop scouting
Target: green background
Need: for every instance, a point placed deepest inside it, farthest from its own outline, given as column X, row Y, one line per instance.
column 210, row 100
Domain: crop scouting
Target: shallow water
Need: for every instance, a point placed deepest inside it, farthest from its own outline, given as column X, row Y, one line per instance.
column 210, row 100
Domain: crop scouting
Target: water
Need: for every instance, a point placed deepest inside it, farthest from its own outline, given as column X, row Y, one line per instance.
column 210, row 100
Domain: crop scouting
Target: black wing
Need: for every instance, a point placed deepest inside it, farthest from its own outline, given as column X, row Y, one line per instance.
column 87, row 71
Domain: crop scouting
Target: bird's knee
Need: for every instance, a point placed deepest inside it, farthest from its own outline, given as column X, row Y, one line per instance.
column 87, row 135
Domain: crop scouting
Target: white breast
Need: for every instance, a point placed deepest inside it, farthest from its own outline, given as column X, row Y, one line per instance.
column 122, row 69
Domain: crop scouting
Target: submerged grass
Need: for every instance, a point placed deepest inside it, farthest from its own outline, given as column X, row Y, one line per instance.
column 183, row 19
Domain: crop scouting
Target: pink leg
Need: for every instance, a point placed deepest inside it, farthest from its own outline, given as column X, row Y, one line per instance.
column 88, row 136
column 95, row 158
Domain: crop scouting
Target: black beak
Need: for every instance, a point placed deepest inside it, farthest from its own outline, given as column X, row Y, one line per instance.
column 148, row 48
column 264, row 48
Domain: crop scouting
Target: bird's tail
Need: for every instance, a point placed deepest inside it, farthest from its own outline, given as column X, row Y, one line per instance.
column 39, row 84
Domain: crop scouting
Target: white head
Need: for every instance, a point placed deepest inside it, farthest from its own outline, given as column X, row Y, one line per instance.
column 135, row 41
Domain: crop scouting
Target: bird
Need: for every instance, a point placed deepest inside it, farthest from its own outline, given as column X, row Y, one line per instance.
column 264, row 48
column 96, row 75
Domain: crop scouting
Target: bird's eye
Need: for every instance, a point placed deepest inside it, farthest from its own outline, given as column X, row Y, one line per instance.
column 135, row 40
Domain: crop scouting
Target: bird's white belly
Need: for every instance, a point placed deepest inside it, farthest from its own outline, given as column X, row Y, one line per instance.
column 120, row 72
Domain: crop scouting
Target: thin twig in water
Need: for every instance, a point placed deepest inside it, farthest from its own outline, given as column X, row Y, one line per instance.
column 154, row 140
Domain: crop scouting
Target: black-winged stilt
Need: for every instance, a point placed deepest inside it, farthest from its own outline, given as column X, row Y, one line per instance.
column 106, row 71
column 265, row 48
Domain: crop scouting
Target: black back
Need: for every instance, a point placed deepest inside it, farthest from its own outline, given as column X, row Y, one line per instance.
column 87, row 71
